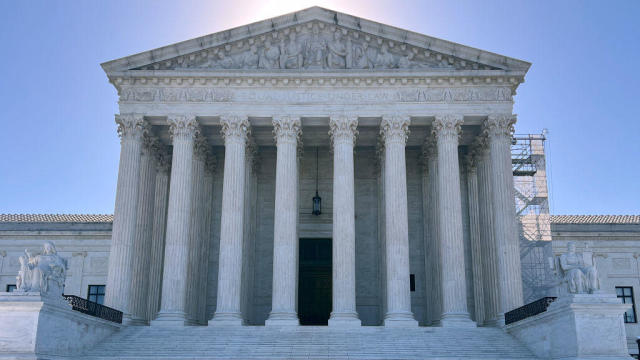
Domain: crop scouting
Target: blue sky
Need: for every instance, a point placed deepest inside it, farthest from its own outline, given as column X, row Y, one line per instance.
column 58, row 138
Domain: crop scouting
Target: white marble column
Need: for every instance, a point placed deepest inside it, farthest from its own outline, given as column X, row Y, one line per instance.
column 434, row 237
column 342, row 130
column 183, row 130
column 447, row 129
column 499, row 128
column 205, row 241
column 235, row 130
column 488, row 248
column 161, row 199
column 130, row 129
column 423, row 159
column 287, row 132
column 142, row 243
column 474, row 234
column 382, row 261
column 200, row 153
column 395, row 130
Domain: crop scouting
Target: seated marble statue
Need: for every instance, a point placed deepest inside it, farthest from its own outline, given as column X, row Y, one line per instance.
column 44, row 273
column 579, row 277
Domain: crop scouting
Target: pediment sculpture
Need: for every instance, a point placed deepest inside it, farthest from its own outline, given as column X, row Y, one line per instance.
column 314, row 46
column 44, row 273
column 578, row 274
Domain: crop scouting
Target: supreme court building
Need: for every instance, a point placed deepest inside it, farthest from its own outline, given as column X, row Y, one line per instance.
column 315, row 168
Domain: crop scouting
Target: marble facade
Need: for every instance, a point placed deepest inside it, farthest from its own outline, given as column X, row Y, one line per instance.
column 423, row 118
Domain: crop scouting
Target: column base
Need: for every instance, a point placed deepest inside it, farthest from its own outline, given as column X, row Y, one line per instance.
column 404, row 319
column 134, row 321
column 226, row 319
column 460, row 320
column 170, row 319
column 282, row 319
column 490, row 323
column 348, row 319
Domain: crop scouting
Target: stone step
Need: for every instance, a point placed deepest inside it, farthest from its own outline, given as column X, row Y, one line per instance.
column 257, row 342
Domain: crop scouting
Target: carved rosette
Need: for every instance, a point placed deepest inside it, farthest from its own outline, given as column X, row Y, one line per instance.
column 395, row 129
column 130, row 126
column 499, row 125
column 447, row 127
column 235, row 128
column 343, row 129
column 200, row 147
column 286, row 129
column 183, row 126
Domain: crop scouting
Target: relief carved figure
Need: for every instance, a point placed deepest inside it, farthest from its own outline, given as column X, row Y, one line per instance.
column 270, row 56
column 44, row 273
column 315, row 49
column 385, row 59
column 250, row 58
column 291, row 56
column 338, row 52
column 579, row 277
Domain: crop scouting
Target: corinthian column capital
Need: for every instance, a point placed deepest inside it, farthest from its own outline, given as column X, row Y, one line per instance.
column 163, row 158
column 200, row 147
column 210, row 163
column 183, row 126
column 447, row 126
column 395, row 129
column 499, row 125
column 130, row 126
column 343, row 128
column 235, row 128
column 286, row 129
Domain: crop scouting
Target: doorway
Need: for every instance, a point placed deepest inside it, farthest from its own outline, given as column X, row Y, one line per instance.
column 314, row 284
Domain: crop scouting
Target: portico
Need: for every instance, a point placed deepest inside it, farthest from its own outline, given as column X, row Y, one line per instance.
column 413, row 169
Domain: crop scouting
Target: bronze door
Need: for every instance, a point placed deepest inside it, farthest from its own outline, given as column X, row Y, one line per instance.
column 314, row 287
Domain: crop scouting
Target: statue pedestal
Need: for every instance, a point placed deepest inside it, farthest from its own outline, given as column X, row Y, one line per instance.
column 35, row 326
column 576, row 326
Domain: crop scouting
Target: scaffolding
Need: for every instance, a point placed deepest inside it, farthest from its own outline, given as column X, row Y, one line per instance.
column 532, row 212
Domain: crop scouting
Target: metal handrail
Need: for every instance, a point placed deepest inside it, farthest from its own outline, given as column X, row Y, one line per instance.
column 531, row 309
column 94, row 309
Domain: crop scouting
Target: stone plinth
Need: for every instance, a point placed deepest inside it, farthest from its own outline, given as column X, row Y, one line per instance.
column 35, row 327
column 580, row 326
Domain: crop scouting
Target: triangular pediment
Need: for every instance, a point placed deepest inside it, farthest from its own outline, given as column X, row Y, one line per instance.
column 316, row 39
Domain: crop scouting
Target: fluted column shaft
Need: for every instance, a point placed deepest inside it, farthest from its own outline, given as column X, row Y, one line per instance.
column 434, row 238
column 287, row 131
column 205, row 240
column 161, row 197
column 201, row 149
column 474, row 233
column 130, row 129
column 447, row 129
column 395, row 130
column 144, row 229
column 235, row 130
column 343, row 133
column 486, row 218
column 499, row 129
column 183, row 130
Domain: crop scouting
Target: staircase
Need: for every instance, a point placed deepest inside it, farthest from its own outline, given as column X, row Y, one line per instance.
column 308, row 342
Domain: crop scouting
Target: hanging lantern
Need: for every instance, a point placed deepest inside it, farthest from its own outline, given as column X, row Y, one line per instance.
column 317, row 200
